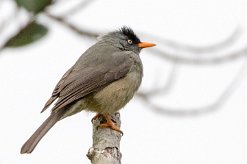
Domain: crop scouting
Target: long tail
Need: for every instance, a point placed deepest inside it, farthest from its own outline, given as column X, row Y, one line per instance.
column 32, row 142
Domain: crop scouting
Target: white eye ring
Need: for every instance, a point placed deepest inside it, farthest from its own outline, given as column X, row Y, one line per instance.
column 130, row 41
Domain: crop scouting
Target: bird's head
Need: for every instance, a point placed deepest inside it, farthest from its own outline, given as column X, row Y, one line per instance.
column 126, row 40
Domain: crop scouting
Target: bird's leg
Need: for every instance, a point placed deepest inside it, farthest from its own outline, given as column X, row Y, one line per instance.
column 95, row 117
column 110, row 124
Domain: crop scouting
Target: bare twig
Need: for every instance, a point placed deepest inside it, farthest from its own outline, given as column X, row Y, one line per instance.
column 196, row 49
column 165, row 89
column 226, row 94
column 72, row 27
column 199, row 61
column 77, row 8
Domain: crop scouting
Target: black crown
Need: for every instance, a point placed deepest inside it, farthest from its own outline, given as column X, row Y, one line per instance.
column 127, row 31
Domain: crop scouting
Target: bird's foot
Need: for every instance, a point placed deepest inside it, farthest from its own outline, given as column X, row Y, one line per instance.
column 95, row 117
column 109, row 124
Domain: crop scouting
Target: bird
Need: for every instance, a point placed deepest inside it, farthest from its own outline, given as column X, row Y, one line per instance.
column 103, row 80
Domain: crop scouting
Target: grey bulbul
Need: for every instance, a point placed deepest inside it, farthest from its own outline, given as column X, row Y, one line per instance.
column 102, row 80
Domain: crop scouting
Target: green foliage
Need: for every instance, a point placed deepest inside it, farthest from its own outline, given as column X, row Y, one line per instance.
column 34, row 6
column 31, row 33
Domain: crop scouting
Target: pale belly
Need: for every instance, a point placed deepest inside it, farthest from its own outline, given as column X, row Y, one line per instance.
column 116, row 95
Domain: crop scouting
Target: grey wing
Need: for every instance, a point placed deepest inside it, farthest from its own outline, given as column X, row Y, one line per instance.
column 81, row 82
column 57, row 90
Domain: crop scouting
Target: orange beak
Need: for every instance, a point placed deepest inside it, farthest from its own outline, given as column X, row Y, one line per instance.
column 145, row 45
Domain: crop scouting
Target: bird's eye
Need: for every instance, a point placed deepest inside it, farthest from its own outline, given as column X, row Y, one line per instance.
column 130, row 41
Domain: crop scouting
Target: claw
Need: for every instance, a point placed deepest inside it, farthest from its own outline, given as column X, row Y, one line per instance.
column 110, row 124
column 95, row 117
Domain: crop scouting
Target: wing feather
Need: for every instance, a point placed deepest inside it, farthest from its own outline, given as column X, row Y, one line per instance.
column 81, row 82
column 55, row 94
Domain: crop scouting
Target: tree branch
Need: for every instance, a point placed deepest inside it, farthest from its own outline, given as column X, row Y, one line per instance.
column 72, row 27
column 106, row 143
column 198, row 60
column 228, row 41
column 81, row 5
column 222, row 98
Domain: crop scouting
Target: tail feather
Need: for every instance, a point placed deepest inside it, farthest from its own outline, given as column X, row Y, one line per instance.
column 32, row 142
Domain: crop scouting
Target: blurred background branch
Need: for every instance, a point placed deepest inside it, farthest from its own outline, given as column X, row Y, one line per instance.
column 228, row 41
column 77, row 8
column 72, row 27
column 222, row 98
